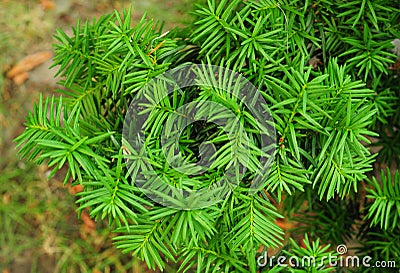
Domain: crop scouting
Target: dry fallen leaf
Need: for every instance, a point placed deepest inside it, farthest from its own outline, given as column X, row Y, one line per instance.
column 88, row 224
column 315, row 62
column 395, row 67
column 19, row 74
column 75, row 189
column 21, row 78
column 47, row 4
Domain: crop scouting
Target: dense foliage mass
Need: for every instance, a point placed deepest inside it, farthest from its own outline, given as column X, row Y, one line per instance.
column 329, row 75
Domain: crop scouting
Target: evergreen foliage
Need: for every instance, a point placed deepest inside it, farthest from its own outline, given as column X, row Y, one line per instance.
column 324, row 70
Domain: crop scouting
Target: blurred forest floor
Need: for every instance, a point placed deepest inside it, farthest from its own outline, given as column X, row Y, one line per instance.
column 39, row 227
